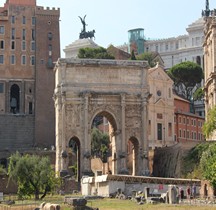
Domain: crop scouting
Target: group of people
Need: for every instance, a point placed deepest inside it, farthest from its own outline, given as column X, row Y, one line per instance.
column 191, row 191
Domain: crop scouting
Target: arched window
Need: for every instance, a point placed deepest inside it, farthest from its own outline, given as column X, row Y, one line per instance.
column 50, row 36
column 14, row 99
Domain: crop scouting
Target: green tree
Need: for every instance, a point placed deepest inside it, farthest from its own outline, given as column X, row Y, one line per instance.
column 94, row 53
column 198, row 94
column 148, row 56
column 191, row 162
column 208, row 164
column 99, row 144
column 210, row 124
column 186, row 76
column 33, row 174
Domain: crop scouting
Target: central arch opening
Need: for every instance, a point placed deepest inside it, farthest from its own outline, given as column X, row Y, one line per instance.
column 103, row 146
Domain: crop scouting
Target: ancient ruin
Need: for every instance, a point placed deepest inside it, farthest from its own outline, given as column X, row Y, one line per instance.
column 118, row 90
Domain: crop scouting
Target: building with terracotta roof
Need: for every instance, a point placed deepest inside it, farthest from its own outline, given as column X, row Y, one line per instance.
column 188, row 126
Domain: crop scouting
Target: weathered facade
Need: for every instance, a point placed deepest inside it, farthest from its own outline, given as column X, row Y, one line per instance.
column 115, row 89
column 210, row 64
column 29, row 44
column 161, row 109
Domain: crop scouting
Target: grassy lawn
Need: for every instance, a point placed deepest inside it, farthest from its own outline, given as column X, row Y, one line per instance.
column 113, row 204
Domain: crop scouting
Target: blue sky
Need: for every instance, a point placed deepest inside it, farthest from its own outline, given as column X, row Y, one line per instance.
column 111, row 19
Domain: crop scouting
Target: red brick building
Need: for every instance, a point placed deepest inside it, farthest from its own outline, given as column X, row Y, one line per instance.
column 188, row 126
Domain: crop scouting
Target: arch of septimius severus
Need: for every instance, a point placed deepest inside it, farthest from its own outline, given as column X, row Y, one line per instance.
column 117, row 90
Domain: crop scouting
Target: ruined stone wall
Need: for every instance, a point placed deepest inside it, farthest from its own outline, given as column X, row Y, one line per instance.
column 168, row 161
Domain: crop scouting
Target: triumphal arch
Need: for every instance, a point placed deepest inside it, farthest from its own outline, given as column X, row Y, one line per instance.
column 115, row 89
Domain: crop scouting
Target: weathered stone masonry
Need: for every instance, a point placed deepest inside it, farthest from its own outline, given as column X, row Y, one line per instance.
column 117, row 90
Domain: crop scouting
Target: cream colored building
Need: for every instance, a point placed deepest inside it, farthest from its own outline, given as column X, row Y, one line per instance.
column 72, row 50
column 210, row 64
column 160, row 109
column 186, row 47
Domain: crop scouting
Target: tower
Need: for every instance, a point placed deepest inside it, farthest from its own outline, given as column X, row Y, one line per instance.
column 136, row 40
column 29, row 44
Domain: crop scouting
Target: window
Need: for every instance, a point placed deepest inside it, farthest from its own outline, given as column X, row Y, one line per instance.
column 50, row 36
column 180, row 133
column 198, row 60
column 170, row 129
column 30, row 108
column 14, row 99
column 1, row 29
column 184, row 133
column 33, row 46
column 159, row 116
column 1, row 87
column 184, row 120
column 12, row 45
column 32, row 60
column 33, row 21
column 159, row 131
column 159, row 93
column 50, row 62
column 188, row 134
column 33, row 34
column 156, row 48
column 13, row 33
column 50, row 47
column 23, row 45
column 12, row 59
column 12, row 19
column 1, row 59
column 188, row 122
column 195, row 135
column 194, row 122
column 23, row 34
column 2, row 44
column 23, row 61
column 167, row 46
column 23, row 20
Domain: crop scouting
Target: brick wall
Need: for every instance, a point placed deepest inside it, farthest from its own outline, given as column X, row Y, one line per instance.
column 23, row 2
